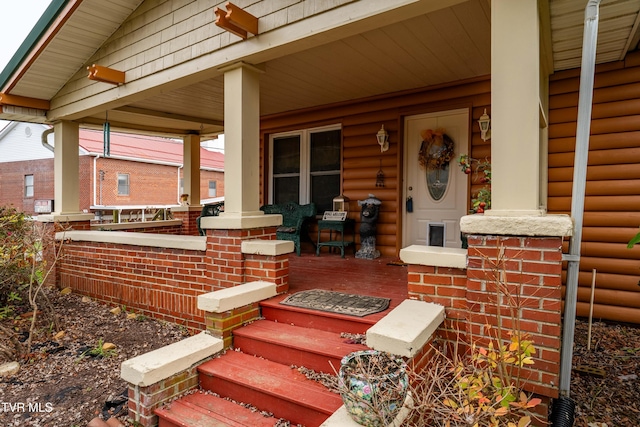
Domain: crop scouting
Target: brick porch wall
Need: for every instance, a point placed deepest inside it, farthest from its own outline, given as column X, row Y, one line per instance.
column 158, row 282
column 164, row 283
column 532, row 268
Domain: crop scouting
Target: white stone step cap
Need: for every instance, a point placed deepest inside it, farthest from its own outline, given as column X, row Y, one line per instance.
column 407, row 328
column 237, row 296
column 157, row 365
column 341, row 417
column 267, row 247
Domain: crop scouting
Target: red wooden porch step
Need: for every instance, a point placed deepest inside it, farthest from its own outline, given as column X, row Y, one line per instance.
column 294, row 345
column 269, row 386
column 206, row 410
column 288, row 336
column 271, row 309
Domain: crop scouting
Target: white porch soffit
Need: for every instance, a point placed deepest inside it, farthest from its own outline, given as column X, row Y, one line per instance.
column 618, row 31
column 412, row 50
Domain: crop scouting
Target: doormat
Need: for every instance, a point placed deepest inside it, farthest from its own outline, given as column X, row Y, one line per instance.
column 337, row 302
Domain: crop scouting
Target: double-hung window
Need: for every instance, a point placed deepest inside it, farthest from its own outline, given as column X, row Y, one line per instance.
column 28, row 186
column 213, row 191
column 123, row 184
column 305, row 166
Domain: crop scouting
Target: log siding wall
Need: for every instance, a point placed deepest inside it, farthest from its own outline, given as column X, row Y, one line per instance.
column 612, row 203
column 361, row 157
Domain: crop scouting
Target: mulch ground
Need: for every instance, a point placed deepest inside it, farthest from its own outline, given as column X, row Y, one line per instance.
column 62, row 383
column 68, row 387
column 605, row 383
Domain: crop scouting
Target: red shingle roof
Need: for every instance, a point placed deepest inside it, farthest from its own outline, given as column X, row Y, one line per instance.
column 146, row 148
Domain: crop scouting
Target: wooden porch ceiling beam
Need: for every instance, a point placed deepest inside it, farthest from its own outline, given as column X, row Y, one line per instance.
column 165, row 115
column 23, row 101
column 242, row 18
column 223, row 22
column 105, row 74
column 236, row 20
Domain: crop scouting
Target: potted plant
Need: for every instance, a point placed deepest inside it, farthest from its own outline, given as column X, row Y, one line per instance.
column 373, row 386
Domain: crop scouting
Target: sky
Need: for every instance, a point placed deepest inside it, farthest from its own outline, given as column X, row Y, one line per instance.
column 19, row 18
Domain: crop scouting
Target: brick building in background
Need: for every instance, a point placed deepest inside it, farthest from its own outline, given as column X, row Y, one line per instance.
column 141, row 170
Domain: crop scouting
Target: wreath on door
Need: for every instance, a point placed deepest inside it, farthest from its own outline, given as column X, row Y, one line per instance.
column 436, row 150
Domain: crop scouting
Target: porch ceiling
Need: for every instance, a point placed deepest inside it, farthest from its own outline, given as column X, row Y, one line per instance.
column 434, row 48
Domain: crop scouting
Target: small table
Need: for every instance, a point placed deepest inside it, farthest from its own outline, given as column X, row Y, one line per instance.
column 339, row 227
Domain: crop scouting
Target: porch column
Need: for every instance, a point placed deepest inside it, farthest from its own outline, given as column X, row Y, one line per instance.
column 242, row 140
column 242, row 152
column 515, row 108
column 66, row 168
column 66, row 178
column 191, row 171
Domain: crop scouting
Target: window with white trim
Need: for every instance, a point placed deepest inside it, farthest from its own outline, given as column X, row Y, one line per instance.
column 123, row 184
column 28, row 186
column 213, row 191
column 305, row 166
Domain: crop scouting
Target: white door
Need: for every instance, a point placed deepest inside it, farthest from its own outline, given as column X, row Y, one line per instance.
column 438, row 194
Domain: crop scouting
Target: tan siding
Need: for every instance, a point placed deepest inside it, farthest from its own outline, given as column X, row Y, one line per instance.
column 160, row 35
column 612, row 203
column 361, row 159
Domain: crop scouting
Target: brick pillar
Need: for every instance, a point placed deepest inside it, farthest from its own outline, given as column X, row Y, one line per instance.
column 144, row 400
column 222, row 325
column 188, row 215
column 529, row 269
column 226, row 263
column 274, row 269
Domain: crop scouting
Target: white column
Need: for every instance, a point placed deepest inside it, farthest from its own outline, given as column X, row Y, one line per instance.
column 191, row 171
column 241, row 153
column 515, row 108
column 242, row 141
column 66, row 168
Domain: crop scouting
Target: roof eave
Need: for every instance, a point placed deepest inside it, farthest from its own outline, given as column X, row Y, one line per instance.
column 48, row 23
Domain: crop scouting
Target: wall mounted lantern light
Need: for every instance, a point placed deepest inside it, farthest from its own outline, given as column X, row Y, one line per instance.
column 483, row 121
column 383, row 139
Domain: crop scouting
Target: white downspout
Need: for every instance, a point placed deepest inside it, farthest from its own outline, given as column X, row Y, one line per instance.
column 178, row 195
column 95, row 180
column 583, row 129
column 45, row 141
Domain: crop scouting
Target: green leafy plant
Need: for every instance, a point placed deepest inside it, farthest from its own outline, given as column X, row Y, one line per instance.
column 634, row 241
column 99, row 350
column 6, row 312
column 482, row 169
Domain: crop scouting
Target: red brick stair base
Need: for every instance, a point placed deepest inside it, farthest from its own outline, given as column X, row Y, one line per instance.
column 143, row 401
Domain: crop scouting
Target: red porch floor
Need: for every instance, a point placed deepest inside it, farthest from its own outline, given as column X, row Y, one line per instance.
column 381, row 277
